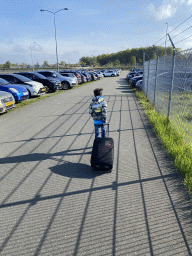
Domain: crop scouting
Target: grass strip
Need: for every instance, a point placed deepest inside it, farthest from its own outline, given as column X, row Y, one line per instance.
column 175, row 145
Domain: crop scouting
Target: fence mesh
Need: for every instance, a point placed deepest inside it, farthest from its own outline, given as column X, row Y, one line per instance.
column 167, row 84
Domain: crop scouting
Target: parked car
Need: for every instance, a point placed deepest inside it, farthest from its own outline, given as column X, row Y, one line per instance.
column 135, row 75
column 135, row 79
column 139, row 84
column 110, row 73
column 69, row 75
column 73, row 72
column 66, row 82
column 50, row 84
column 136, row 69
column 100, row 74
column 93, row 77
column 96, row 74
column 87, row 75
column 117, row 71
column 34, row 88
column 19, row 92
column 84, row 79
column 130, row 75
column 7, row 101
column 103, row 71
column 139, row 73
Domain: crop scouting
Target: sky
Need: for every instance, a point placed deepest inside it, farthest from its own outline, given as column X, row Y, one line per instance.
column 88, row 27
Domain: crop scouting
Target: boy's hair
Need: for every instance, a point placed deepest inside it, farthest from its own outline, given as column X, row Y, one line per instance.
column 98, row 92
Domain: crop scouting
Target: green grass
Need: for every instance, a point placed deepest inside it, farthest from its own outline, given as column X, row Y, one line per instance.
column 181, row 110
column 174, row 143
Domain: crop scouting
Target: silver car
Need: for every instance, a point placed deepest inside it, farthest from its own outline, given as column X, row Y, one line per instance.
column 100, row 74
column 110, row 73
column 71, row 76
column 117, row 71
column 7, row 101
column 66, row 82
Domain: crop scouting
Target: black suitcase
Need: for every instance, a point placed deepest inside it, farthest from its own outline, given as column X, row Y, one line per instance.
column 103, row 154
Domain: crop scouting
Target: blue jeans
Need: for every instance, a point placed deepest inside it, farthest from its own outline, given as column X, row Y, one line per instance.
column 99, row 127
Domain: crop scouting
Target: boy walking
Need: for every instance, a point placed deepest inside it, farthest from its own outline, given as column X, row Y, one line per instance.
column 98, row 110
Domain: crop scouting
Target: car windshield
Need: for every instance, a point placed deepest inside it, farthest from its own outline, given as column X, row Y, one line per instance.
column 3, row 81
column 70, row 74
column 22, row 78
column 39, row 75
column 57, row 74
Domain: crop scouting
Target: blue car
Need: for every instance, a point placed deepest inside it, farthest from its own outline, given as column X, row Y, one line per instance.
column 88, row 77
column 19, row 92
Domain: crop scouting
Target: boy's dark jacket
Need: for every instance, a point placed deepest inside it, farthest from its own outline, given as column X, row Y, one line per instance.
column 98, row 109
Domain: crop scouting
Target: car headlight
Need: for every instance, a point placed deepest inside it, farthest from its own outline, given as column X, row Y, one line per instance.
column 13, row 90
column 1, row 104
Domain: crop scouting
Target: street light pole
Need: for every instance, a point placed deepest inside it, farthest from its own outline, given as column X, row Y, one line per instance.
column 165, row 41
column 31, row 52
column 55, row 32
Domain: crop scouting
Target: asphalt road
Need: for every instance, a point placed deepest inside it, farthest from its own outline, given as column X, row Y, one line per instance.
column 52, row 203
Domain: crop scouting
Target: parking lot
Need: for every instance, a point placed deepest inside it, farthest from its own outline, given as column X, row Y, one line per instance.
column 53, row 203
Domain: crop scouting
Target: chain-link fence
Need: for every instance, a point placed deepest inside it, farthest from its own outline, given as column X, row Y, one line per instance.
column 167, row 83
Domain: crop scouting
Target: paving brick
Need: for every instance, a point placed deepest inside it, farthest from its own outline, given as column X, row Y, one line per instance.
column 53, row 203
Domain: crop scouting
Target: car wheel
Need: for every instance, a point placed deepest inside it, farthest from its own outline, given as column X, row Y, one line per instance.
column 47, row 88
column 112, row 75
column 53, row 90
column 65, row 85
column 29, row 93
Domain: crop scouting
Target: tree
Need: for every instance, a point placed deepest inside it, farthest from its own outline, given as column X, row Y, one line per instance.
column 85, row 60
column 116, row 63
column 46, row 64
column 37, row 65
column 140, row 61
column 7, row 64
column 133, row 61
column 23, row 64
column 109, row 65
column 93, row 61
column 62, row 63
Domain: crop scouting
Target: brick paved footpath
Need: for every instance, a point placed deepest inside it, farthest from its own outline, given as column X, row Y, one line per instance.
column 52, row 203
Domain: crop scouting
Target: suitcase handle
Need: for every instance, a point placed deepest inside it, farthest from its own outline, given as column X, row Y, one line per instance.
column 107, row 128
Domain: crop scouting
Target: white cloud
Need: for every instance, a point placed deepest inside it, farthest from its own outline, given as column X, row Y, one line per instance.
column 167, row 9
column 164, row 11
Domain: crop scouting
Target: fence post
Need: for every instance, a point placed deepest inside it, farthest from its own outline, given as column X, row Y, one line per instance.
column 172, row 78
column 143, row 69
column 148, row 74
column 155, row 76
column 148, row 79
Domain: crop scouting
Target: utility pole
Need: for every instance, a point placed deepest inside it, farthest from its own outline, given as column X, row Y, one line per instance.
column 165, row 41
